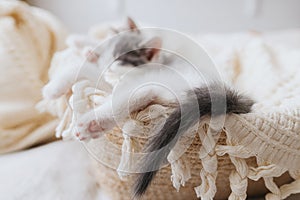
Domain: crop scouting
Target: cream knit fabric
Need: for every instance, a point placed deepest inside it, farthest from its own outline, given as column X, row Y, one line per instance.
column 28, row 38
column 268, row 68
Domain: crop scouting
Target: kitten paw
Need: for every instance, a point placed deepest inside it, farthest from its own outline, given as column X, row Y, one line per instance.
column 91, row 55
column 93, row 128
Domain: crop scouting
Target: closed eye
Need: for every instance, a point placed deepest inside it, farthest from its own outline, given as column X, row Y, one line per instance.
column 134, row 58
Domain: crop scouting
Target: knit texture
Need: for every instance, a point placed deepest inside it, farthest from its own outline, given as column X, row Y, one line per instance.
column 28, row 38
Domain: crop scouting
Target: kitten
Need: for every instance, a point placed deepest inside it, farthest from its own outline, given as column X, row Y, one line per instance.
column 138, row 60
column 152, row 65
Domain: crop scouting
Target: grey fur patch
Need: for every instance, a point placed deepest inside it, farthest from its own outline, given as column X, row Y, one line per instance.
column 130, row 50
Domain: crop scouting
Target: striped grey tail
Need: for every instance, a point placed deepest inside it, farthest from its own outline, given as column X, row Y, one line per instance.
column 210, row 100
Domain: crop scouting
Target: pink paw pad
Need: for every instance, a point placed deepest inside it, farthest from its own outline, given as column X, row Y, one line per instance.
column 92, row 56
column 79, row 136
column 94, row 126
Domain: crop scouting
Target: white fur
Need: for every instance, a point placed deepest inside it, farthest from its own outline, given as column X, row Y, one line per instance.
column 136, row 88
column 79, row 62
column 164, row 79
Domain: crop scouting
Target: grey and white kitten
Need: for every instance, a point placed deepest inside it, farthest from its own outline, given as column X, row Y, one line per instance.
column 133, row 51
column 138, row 60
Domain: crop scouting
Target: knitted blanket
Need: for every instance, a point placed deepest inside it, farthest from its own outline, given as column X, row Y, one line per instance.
column 28, row 38
column 267, row 66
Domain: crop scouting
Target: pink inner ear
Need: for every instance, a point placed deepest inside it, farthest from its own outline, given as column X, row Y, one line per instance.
column 155, row 43
column 131, row 24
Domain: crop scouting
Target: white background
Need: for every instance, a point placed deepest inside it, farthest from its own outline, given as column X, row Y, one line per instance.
column 195, row 16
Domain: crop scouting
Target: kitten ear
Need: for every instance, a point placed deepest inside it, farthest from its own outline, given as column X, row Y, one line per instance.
column 152, row 47
column 131, row 24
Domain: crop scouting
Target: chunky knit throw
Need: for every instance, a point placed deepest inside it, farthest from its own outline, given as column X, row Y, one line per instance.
column 28, row 39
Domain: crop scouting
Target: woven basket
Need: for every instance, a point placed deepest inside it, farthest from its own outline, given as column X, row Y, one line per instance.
column 162, row 188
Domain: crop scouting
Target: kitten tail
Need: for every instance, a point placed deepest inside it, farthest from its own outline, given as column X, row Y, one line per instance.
column 214, row 100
